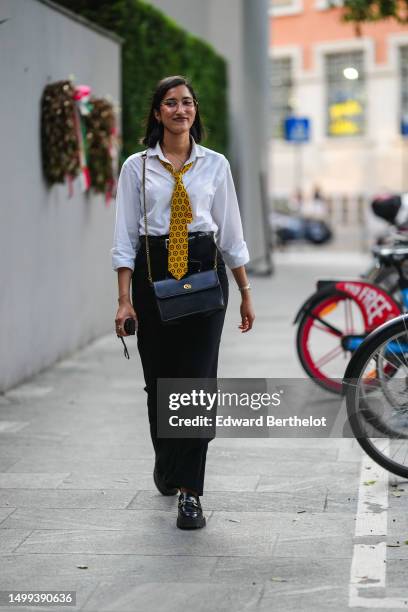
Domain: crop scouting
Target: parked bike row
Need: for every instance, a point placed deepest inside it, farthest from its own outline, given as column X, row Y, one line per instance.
column 352, row 339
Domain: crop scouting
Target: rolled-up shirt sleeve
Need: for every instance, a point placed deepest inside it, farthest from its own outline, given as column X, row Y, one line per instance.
column 225, row 212
column 126, row 232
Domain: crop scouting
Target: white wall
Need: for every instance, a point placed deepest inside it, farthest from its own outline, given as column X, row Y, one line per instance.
column 58, row 290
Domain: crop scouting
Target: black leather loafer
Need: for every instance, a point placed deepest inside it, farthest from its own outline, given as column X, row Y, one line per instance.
column 190, row 513
column 161, row 485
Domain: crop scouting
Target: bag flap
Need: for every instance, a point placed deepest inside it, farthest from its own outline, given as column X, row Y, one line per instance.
column 171, row 287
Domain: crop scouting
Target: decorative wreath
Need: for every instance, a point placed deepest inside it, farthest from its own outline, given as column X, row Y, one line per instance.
column 60, row 149
column 79, row 138
column 100, row 134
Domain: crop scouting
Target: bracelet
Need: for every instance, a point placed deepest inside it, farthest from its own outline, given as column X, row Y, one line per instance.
column 123, row 295
column 248, row 286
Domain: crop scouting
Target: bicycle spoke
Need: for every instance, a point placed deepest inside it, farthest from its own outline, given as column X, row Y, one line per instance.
column 403, row 353
column 404, row 365
column 327, row 330
column 351, row 319
column 347, row 315
column 395, row 454
column 405, row 456
column 329, row 356
column 336, row 331
column 389, row 362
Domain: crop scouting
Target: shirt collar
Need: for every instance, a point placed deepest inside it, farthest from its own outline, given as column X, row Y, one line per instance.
column 196, row 151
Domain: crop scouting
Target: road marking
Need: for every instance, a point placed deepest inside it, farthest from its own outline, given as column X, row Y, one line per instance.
column 369, row 562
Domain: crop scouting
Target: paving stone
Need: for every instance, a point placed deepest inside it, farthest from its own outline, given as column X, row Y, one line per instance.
column 11, row 538
column 319, row 499
column 11, row 426
column 144, row 481
column 125, row 481
column 280, row 574
column 30, row 481
column 161, row 596
column 261, row 453
column 332, row 597
column 329, row 547
column 267, row 466
column 181, row 568
column 28, row 391
column 28, row 439
column 58, row 498
column 397, row 514
column 4, row 513
column 63, row 453
column 396, row 574
column 158, row 535
column 81, row 518
column 78, row 464
column 7, row 462
column 4, row 401
column 287, row 443
column 296, row 483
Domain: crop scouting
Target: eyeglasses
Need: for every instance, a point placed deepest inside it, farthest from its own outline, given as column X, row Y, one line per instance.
column 185, row 102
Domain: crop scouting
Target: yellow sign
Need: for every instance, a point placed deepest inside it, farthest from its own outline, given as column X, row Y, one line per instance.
column 345, row 118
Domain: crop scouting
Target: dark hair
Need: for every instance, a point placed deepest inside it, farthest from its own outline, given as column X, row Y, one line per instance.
column 154, row 129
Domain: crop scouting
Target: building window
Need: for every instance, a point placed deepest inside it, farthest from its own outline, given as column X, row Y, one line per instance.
column 324, row 5
column 345, row 86
column 279, row 8
column 277, row 4
column 281, row 83
column 404, row 86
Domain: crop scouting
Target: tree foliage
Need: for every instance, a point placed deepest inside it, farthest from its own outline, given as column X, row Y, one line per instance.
column 361, row 11
column 154, row 47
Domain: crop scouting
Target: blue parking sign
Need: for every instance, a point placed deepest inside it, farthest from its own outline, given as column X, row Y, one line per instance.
column 297, row 129
column 404, row 125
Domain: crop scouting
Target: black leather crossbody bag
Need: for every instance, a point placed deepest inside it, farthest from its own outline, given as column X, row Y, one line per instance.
column 196, row 293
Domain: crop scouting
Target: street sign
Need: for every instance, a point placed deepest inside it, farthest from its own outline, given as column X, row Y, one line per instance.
column 297, row 129
column 404, row 125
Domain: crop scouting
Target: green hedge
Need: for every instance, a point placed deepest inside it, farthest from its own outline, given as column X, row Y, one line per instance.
column 155, row 47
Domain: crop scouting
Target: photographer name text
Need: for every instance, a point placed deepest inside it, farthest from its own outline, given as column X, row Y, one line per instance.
column 260, row 421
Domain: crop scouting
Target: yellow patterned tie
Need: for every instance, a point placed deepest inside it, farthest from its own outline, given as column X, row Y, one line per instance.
column 181, row 214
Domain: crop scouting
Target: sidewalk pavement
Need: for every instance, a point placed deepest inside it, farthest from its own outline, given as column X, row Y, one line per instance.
column 79, row 510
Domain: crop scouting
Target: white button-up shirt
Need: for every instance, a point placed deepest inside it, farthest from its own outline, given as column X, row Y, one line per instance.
column 211, row 190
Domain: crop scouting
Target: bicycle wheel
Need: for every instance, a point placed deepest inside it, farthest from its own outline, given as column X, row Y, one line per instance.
column 377, row 404
column 331, row 317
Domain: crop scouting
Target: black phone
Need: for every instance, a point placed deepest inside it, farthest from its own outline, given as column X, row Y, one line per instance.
column 130, row 326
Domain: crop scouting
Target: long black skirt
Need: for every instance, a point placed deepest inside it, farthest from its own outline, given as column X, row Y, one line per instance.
column 188, row 349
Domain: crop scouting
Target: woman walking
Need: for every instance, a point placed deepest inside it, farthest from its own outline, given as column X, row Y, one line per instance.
column 191, row 212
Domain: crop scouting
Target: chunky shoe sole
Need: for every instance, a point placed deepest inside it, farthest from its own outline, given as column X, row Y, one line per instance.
column 184, row 522
column 162, row 488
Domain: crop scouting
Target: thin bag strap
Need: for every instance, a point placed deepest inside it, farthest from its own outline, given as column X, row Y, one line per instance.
column 149, row 267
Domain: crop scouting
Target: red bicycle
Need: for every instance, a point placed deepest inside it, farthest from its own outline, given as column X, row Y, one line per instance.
column 333, row 322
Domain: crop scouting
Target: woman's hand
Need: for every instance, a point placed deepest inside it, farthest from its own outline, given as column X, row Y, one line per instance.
column 247, row 313
column 125, row 311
